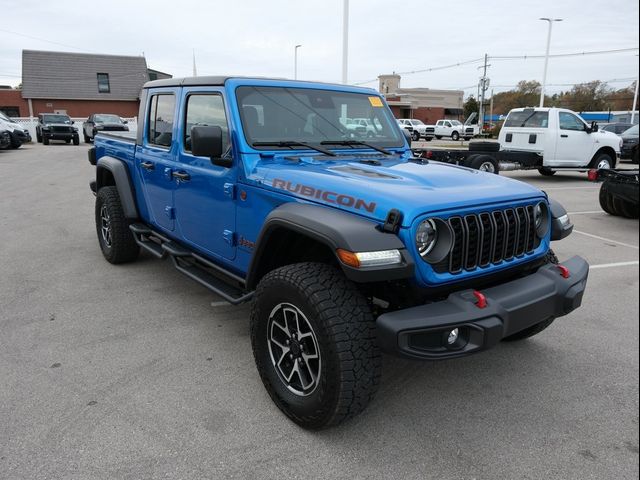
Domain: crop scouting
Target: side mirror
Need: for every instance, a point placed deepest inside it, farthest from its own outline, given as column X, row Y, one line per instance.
column 207, row 142
column 594, row 127
column 124, row 121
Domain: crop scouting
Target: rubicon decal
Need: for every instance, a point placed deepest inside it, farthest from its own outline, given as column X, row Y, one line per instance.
column 326, row 195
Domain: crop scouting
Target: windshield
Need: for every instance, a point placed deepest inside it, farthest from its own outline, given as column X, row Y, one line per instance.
column 280, row 114
column 416, row 122
column 527, row 118
column 5, row 118
column 632, row 131
column 56, row 119
column 455, row 123
column 102, row 118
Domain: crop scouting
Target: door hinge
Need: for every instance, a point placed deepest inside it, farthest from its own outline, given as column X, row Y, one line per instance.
column 170, row 211
column 230, row 190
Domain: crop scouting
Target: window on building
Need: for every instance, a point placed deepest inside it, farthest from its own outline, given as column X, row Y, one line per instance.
column 205, row 110
column 161, row 116
column 103, row 83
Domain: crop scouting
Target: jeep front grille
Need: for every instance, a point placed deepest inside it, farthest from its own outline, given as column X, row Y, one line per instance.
column 487, row 238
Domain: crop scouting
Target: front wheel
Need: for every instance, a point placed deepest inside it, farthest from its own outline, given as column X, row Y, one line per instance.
column 415, row 136
column 455, row 136
column 45, row 140
column 314, row 343
column 602, row 162
column 547, row 172
column 76, row 140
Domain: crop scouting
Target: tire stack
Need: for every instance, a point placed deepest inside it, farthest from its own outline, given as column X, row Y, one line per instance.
column 614, row 204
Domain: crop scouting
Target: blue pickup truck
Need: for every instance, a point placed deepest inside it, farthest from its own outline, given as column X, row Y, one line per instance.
column 346, row 245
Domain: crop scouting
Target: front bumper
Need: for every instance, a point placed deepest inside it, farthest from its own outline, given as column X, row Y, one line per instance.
column 59, row 135
column 627, row 150
column 421, row 332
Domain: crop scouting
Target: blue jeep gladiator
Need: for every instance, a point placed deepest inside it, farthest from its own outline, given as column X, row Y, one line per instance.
column 345, row 243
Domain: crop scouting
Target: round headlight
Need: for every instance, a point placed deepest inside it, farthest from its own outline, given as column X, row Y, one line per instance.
column 426, row 237
column 541, row 219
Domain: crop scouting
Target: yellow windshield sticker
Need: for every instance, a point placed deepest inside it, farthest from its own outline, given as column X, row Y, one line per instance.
column 375, row 101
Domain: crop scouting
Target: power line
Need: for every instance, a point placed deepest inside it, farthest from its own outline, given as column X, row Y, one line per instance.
column 44, row 40
column 432, row 69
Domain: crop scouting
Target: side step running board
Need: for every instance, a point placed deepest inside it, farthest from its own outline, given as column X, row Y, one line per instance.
column 206, row 273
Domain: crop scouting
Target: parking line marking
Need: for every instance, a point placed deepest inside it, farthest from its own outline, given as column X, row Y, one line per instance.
column 607, row 239
column 585, row 213
column 611, row 265
column 219, row 304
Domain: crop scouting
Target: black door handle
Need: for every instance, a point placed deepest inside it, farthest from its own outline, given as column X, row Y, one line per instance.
column 147, row 165
column 184, row 176
column 564, row 136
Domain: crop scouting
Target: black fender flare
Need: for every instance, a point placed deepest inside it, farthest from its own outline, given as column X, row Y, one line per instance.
column 122, row 179
column 559, row 230
column 335, row 229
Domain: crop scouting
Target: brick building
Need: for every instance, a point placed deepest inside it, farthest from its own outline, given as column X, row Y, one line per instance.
column 78, row 84
column 426, row 104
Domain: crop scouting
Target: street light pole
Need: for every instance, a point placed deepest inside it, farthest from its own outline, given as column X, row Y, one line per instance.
column 345, row 40
column 295, row 61
column 546, row 57
column 635, row 99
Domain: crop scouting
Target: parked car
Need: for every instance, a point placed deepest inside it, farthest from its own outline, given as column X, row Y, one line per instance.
column 5, row 139
column 416, row 127
column 371, row 127
column 102, row 122
column 617, row 128
column 346, row 248
column 452, row 128
column 17, row 133
column 629, row 147
column 55, row 126
column 355, row 129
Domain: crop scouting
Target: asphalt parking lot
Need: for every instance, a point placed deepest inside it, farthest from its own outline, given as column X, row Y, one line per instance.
column 136, row 372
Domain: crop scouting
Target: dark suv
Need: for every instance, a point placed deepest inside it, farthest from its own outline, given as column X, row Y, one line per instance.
column 102, row 122
column 54, row 126
column 629, row 147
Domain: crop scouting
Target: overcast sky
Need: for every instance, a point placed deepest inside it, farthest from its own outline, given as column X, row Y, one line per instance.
column 257, row 37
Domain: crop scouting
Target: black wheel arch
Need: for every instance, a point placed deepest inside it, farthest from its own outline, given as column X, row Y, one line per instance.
column 111, row 171
column 295, row 232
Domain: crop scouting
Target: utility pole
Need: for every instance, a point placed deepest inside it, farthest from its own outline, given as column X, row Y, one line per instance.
column 484, row 84
column 295, row 61
column 491, row 108
column 546, row 57
column 345, row 40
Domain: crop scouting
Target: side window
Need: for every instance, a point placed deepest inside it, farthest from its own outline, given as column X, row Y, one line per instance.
column 447, row 124
column 205, row 109
column 568, row 121
column 160, row 120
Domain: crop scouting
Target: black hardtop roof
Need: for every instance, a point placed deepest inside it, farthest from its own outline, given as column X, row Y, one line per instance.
column 215, row 80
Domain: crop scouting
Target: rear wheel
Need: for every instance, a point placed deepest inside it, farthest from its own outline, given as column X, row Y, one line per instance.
column 484, row 163
column 38, row 137
column 45, row 140
column 547, row 172
column 116, row 240
column 314, row 342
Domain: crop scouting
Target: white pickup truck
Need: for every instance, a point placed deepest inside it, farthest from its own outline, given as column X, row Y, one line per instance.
column 546, row 139
column 453, row 129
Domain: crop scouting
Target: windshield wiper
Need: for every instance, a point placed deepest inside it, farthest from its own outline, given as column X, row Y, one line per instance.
column 293, row 143
column 353, row 143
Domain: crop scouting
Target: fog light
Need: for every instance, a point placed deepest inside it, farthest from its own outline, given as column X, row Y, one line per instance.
column 453, row 336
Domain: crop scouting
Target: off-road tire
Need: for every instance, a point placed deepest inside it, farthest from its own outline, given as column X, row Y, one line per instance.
column 45, row 140
column 76, row 140
column 345, row 330
column 123, row 247
column 546, row 172
column 538, row 327
column 624, row 208
column 86, row 138
column 606, row 200
column 38, row 137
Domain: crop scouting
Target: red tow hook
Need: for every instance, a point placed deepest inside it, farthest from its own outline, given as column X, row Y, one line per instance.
column 481, row 299
column 564, row 271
